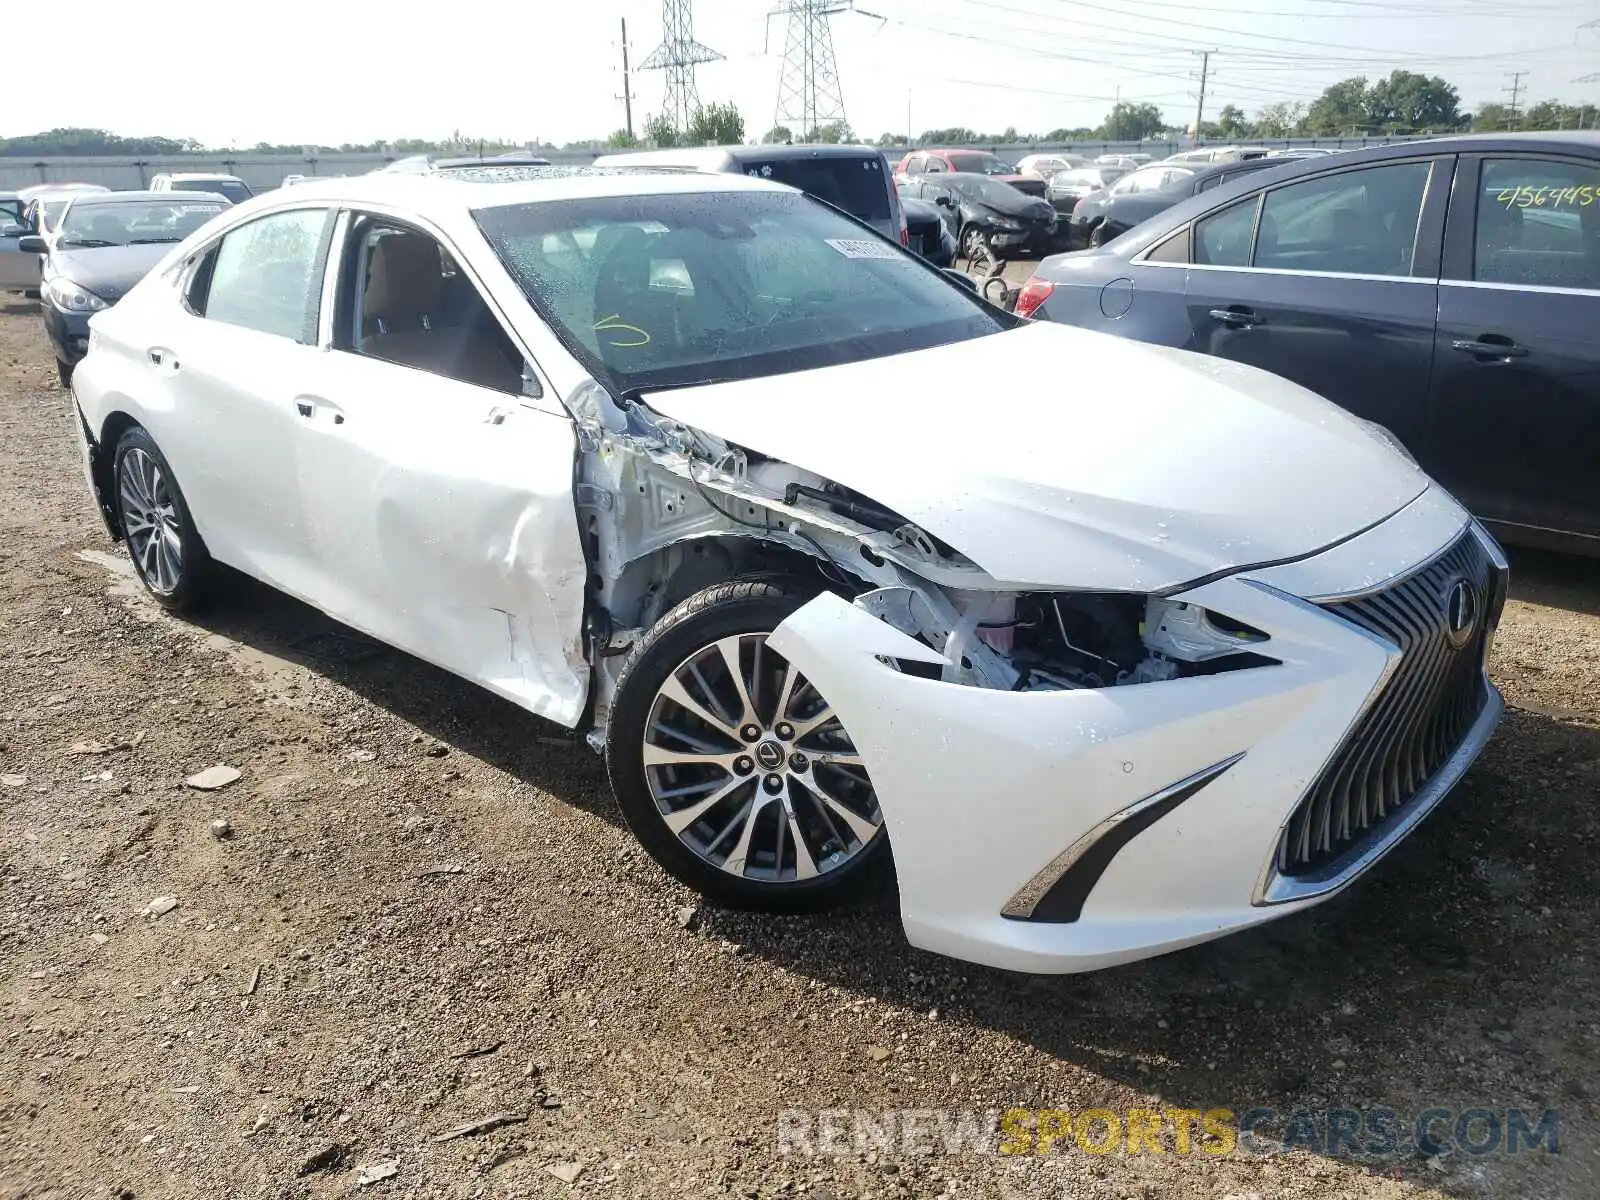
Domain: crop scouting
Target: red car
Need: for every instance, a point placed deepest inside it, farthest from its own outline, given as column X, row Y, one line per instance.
column 976, row 162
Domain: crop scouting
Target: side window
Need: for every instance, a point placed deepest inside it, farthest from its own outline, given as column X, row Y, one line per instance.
column 1538, row 224
column 404, row 300
column 1360, row 222
column 914, row 164
column 1222, row 239
column 265, row 275
column 1175, row 249
column 935, row 164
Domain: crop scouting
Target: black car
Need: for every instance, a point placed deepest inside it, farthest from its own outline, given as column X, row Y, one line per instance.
column 1065, row 188
column 982, row 211
column 105, row 244
column 1448, row 290
column 926, row 232
column 1141, row 194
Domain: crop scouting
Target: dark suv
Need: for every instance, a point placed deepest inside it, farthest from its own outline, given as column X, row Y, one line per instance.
column 854, row 179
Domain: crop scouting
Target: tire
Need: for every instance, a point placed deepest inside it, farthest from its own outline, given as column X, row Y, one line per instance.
column 64, row 373
column 735, row 841
column 1101, row 234
column 974, row 246
column 170, row 558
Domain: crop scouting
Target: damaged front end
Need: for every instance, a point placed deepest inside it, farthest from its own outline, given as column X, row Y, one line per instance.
column 667, row 509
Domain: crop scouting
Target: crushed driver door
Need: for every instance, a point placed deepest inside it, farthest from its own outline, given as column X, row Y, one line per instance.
column 442, row 518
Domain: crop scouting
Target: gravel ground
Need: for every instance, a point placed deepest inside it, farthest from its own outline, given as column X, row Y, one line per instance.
column 424, row 913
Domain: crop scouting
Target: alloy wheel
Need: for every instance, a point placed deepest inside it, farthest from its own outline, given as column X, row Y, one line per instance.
column 751, row 769
column 150, row 521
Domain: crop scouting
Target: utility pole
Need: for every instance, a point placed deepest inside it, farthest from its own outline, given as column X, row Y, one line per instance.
column 1200, row 108
column 1516, row 91
column 627, row 84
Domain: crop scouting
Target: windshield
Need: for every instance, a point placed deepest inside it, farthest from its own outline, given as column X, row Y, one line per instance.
column 979, row 163
column 50, row 212
column 669, row 290
column 134, row 222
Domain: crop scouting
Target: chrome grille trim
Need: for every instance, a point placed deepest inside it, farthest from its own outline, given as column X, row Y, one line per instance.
column 1425, row 724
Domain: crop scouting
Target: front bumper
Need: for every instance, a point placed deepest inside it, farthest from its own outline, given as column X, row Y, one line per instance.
column 1174, row 796
column 69, row 332
column 1035, row 239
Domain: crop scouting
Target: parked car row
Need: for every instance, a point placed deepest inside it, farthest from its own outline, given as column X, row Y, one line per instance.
column 1448, row 290
column 634, row 449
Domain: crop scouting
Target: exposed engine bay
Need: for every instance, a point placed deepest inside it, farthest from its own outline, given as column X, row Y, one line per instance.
column 666, row 510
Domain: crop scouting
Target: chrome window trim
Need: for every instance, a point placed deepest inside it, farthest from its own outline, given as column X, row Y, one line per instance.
column 1540, row 288
column 1141, row 260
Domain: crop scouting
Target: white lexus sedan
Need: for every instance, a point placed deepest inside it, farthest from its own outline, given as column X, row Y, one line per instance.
column 706, row 469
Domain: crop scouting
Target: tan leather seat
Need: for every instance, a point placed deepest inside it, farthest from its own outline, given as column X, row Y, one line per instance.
column 402, row 311
column 405, row 285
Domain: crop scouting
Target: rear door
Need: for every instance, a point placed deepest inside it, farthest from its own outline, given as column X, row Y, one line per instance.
column 1516, row 395
column 1331, row 282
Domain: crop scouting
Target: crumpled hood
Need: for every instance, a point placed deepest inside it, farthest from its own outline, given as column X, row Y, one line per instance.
column 1135, row 467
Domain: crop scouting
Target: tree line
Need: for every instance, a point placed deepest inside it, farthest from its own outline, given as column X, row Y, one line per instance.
column 1404, row 102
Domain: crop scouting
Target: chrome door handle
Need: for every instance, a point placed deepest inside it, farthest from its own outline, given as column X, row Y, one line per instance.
column 1236, row 318
column 1490, row 349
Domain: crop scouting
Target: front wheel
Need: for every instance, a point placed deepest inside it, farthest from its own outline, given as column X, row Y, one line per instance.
column 1101, row 234
column 974, row 246
column 732, row 769
column 166, row 549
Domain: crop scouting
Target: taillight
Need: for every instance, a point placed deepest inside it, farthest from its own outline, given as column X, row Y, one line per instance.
column 1034, row 293
column 905, row 230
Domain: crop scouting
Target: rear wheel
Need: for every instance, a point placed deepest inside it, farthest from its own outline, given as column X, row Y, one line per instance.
column 64, row 373
column 1101, row 234
column 166, row 549
column 732, row 769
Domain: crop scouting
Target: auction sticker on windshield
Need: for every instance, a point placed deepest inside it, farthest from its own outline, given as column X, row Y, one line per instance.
column 861, row 248
column 201, row 208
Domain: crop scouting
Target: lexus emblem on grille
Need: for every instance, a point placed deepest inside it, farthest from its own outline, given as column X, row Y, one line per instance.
column 1461, row 612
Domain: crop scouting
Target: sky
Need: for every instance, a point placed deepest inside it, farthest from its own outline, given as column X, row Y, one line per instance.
column 335, row 71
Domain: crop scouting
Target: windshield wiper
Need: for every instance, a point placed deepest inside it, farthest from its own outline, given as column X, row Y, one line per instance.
column 86, row 243
column 153, row 241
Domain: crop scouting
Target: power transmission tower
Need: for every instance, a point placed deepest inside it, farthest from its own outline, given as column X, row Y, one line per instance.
column 1515, row 91
column 677, row 56
column 809, row 93
column 627, row 82
column 1200, row 107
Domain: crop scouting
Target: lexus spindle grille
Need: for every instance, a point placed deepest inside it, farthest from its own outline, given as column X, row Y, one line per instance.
column 1440, row 617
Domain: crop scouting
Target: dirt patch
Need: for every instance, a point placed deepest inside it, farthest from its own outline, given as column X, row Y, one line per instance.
column 422, row 919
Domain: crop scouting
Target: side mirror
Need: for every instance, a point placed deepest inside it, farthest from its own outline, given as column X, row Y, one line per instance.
column 12, row 230
column 944, row 201
column 965, row 280
column 33, row 244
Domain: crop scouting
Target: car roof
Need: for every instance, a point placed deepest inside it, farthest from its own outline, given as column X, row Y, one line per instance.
column 493, row 187
column 60, row 189
column 87, row 199
column 197, row 175
column 702, row 157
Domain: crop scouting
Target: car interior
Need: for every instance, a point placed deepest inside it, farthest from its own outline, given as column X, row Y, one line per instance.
column 417, row 309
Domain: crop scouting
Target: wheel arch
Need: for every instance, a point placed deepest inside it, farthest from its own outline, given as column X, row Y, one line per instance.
column 102, row 456
column 652, row 584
